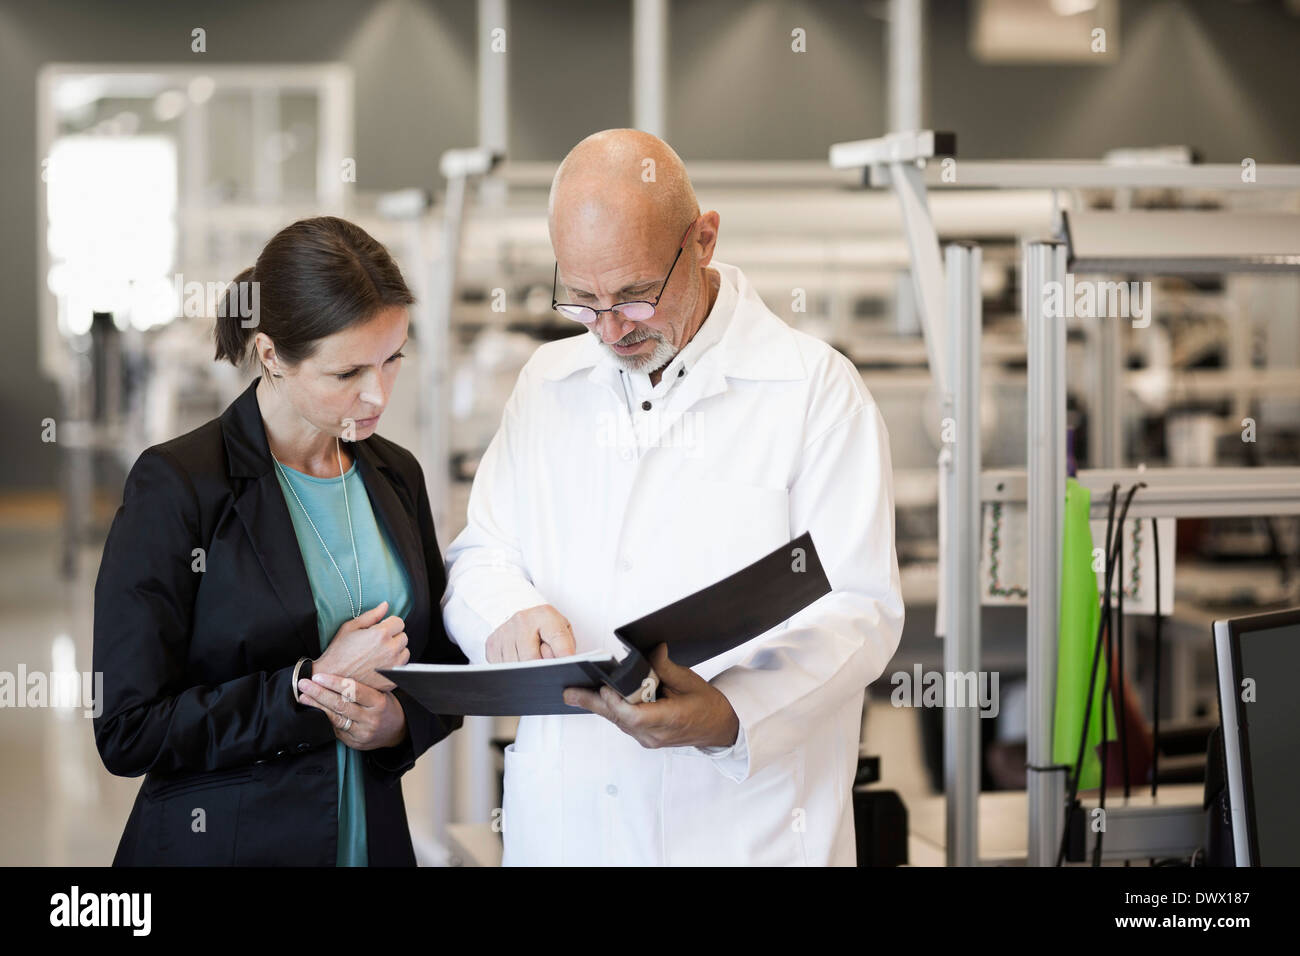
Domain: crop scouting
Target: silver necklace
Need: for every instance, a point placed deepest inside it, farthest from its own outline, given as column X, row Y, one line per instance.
column 356, row 607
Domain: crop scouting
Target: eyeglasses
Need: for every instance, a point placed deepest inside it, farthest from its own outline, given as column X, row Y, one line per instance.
column 637, row 311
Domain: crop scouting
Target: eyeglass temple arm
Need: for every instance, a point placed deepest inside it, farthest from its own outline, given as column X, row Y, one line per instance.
column 688, row 233
column 680, row 250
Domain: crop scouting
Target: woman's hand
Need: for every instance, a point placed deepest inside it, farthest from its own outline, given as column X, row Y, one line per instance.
column 363, row 718
column 365, row 645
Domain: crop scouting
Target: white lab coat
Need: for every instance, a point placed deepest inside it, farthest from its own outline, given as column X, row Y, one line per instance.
column 578, row 505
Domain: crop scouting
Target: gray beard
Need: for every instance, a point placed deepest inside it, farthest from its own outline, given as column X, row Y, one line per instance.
column 660, row 356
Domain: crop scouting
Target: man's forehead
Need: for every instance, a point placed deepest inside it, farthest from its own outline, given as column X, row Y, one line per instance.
column 579, row 235
column 614, row 279
column 619, row 261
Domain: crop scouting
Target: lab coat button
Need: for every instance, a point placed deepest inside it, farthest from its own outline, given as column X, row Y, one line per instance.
column 645, row 406
column 611, row 790
column 625, row 564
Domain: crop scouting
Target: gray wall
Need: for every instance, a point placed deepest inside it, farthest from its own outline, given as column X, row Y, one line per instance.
column 1216, row 75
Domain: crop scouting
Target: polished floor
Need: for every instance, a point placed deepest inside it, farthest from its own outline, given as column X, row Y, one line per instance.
column 59, row 804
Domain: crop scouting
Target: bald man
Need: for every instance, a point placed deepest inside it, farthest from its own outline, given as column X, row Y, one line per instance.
column 685, row 433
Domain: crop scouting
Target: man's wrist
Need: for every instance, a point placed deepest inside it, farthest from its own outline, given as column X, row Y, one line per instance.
column 733, row 723
column 719, row 745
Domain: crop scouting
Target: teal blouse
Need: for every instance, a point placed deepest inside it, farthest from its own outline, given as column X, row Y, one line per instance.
column 383, row 578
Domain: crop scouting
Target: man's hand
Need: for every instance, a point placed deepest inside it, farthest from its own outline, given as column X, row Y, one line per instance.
column 691, row 712
column 530, row 635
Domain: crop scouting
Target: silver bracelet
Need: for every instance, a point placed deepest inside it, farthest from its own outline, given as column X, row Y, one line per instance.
column 297, row 698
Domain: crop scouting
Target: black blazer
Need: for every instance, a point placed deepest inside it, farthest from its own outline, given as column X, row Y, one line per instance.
column 198, row 649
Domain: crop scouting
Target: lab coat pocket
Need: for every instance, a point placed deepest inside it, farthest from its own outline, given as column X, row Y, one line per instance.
column 530, row 808
column 710, row 820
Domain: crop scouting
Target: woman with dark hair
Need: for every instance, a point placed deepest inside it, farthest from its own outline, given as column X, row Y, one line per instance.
column 262, row 569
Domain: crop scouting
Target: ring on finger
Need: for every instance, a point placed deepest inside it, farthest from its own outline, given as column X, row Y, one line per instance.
column 347, row 726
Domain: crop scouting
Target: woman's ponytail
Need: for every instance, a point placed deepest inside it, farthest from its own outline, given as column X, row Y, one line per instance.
column 237, row 318
column 314, row 278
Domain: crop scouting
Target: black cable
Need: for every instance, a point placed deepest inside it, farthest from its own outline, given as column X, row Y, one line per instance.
column 1114, row 549
column 1119, row 644
column 1155, row 681
column 1116, row 560
column 1108, row 614
column 1275, row 552
column 1092, row 680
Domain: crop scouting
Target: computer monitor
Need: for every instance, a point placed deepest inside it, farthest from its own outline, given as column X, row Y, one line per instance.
column 1258, row 660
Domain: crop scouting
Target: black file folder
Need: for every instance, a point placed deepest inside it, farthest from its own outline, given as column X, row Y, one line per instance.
column 703, row 625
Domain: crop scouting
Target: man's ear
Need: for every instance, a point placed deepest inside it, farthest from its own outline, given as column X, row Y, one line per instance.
column 706, row 236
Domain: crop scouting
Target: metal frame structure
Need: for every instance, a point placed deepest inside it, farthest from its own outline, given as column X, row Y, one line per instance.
column 959, row 472
column 903, row 155
column 1045, row 476
column 1172, row 493
column 901, row 160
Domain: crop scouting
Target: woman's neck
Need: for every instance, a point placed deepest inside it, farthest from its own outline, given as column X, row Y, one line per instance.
column 295, row 442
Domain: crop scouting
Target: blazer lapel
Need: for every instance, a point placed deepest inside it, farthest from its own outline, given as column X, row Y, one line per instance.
column 399, row 522
column 265, row 516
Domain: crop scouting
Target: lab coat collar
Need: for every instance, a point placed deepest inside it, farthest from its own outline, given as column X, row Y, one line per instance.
column 756, row 344
column 710, row 332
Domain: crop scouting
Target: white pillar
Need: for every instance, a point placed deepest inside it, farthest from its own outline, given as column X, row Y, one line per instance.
column 960, row 472
column 493, row 89
column 650, row 66
column 905, row 64
column 1044, row 262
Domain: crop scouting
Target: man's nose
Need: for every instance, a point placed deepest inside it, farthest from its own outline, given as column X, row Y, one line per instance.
column 612, row 326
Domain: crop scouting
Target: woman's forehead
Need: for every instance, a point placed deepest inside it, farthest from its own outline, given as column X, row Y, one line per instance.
column 385, row 332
